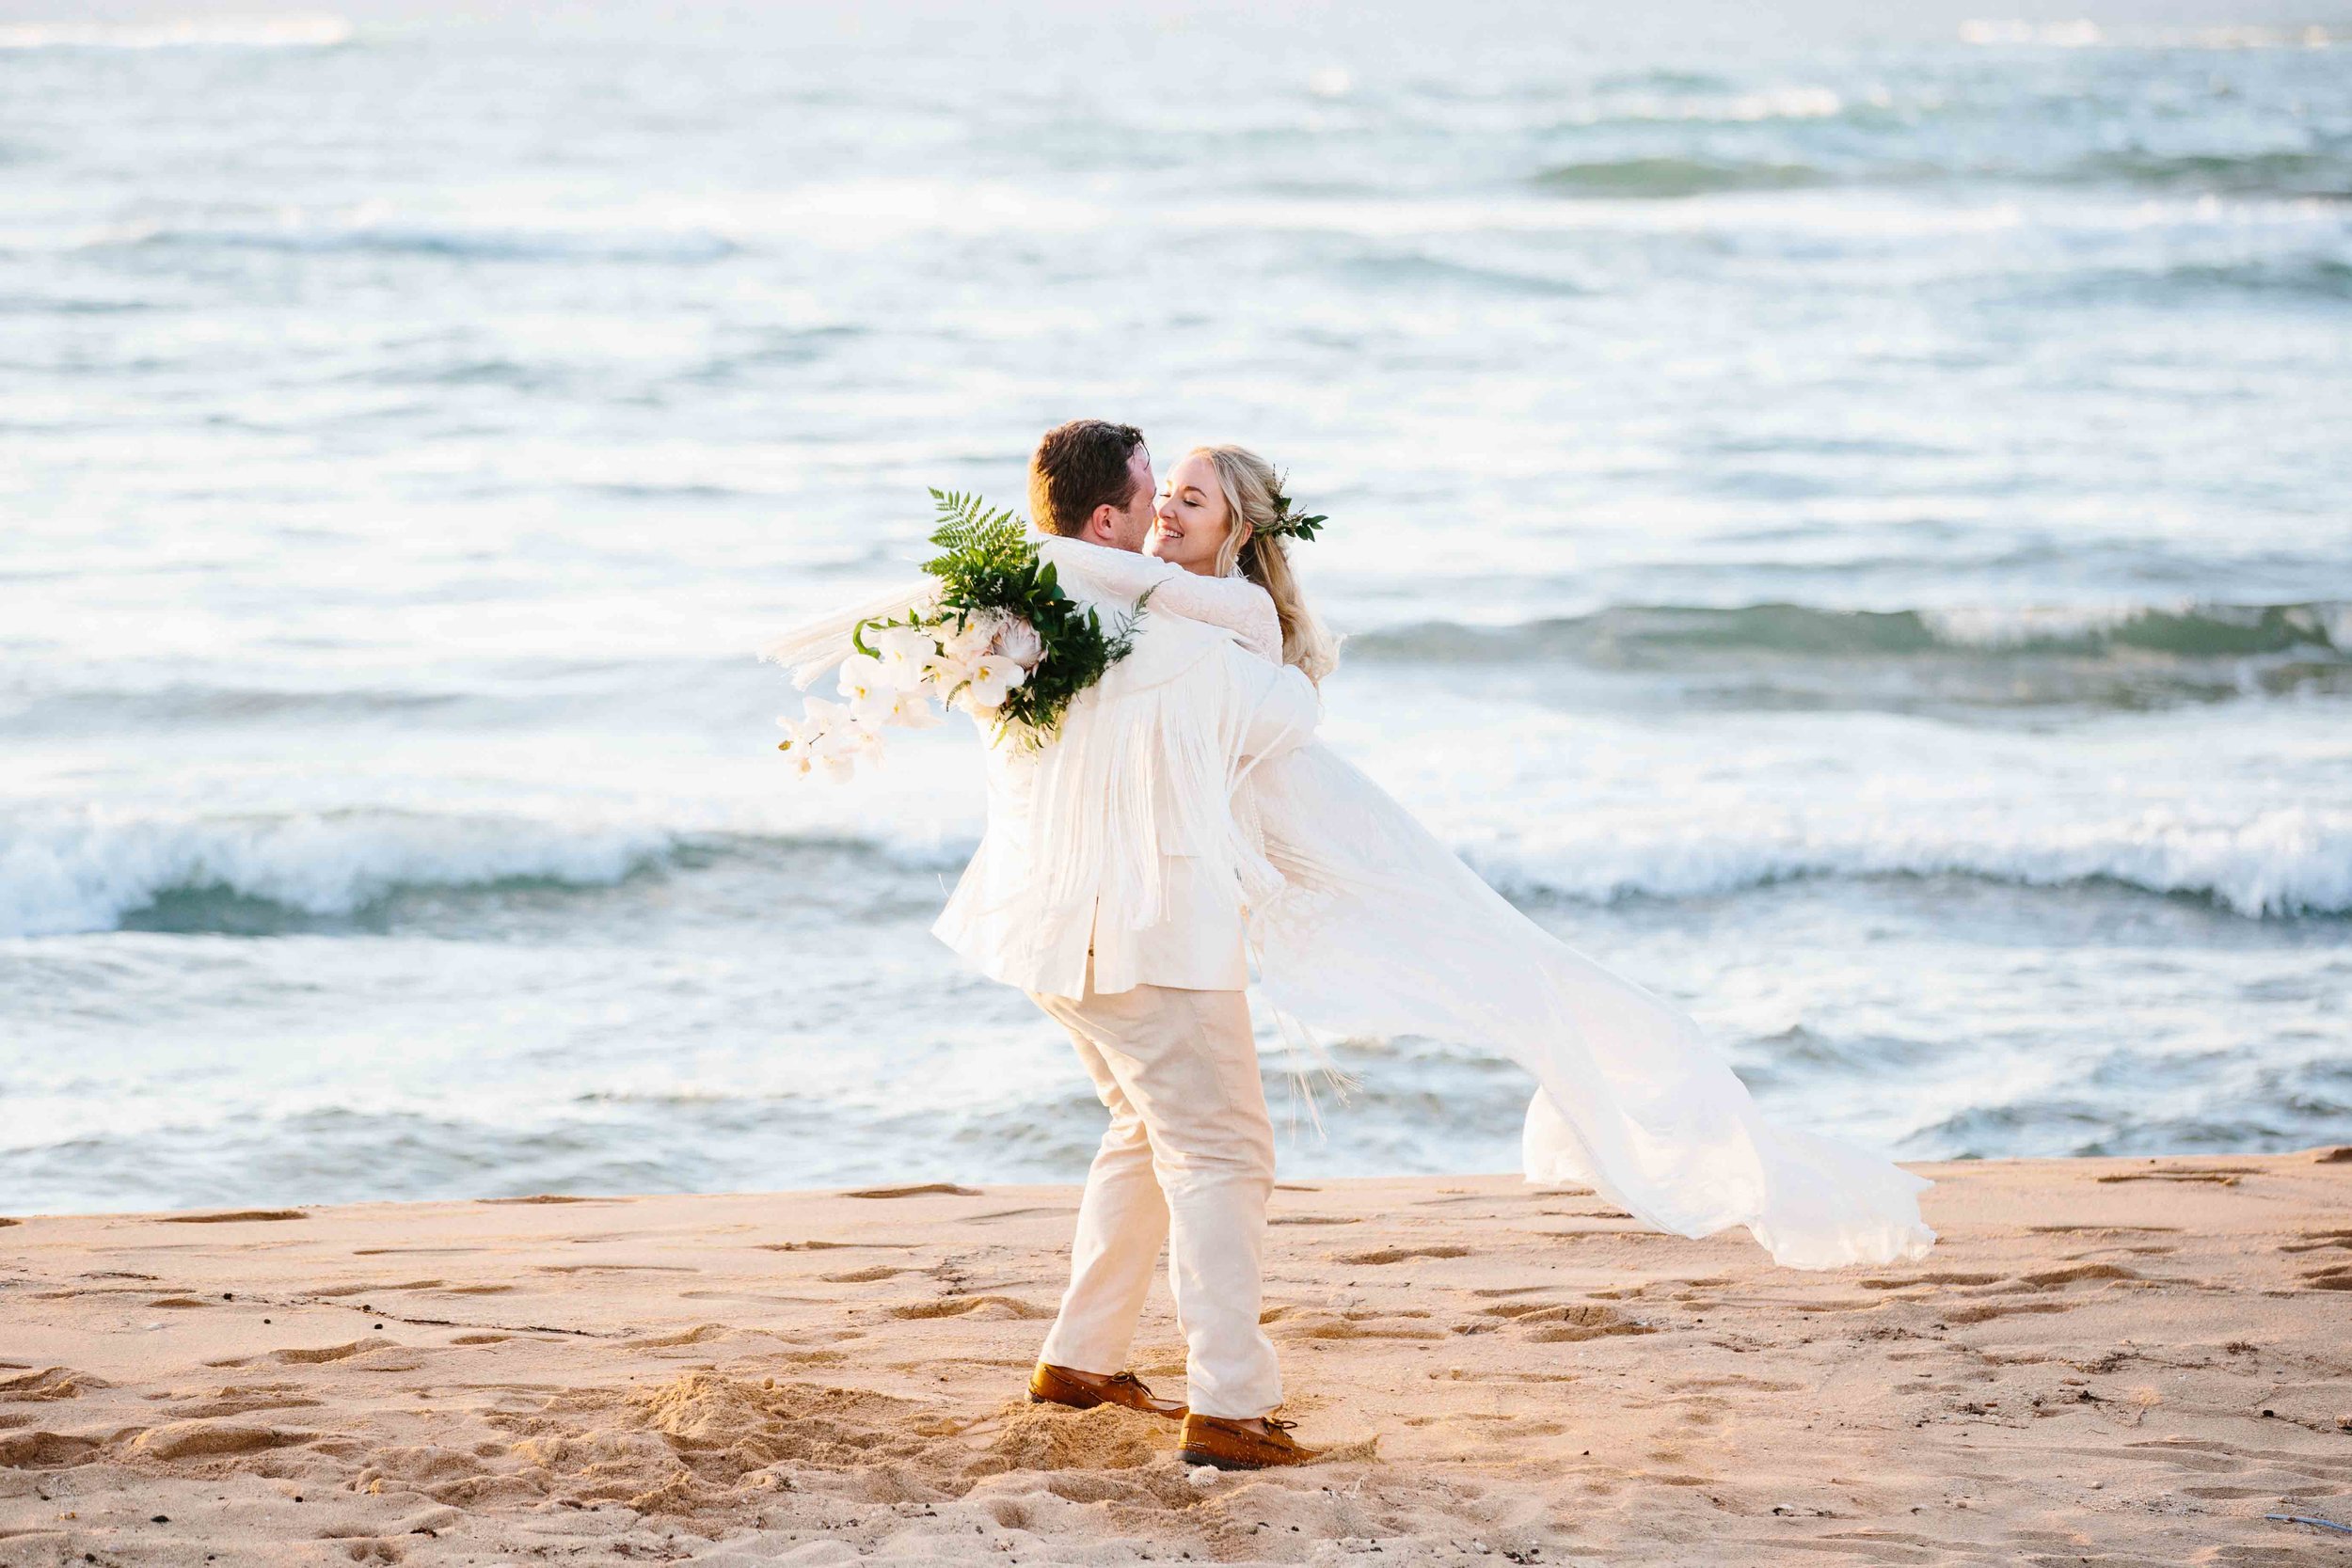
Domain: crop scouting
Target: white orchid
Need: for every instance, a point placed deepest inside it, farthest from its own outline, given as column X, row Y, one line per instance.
column 946, row 673
column 991, row 680
column 840, row 749
column 905, row 710
column 868, row 685
column 830, row 736
column 904, row 652
column 797, row 754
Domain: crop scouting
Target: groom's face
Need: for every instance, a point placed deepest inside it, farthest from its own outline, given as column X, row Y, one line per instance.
column 1127, row 529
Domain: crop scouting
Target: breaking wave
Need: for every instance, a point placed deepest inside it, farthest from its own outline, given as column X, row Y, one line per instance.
column 96, row 871
column 2282, row 862
column 88, row 871
column 2127, row 657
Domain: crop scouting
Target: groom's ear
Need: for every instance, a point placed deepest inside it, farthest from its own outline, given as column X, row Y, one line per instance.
column 1102, row 525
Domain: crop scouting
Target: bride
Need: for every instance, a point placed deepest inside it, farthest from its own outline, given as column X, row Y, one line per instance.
column 1379, row 930
column 1364, row 925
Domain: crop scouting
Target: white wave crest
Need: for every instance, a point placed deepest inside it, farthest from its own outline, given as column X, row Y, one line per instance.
column 191, row 32
column 85, row 871
column 2285, row 862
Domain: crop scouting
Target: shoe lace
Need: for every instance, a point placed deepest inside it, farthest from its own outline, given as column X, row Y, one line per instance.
column 1133, row 1381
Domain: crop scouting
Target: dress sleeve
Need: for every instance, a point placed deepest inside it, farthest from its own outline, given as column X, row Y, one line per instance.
column 1232, row 604
column 1236, row 603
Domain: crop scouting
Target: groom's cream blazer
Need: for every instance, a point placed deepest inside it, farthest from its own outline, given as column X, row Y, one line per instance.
column 1118, row 839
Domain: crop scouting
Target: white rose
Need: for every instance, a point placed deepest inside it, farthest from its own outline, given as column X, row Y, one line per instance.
column 1017, row 640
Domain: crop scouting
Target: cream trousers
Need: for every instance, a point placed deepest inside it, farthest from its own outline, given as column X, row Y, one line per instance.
column 1188, row 1158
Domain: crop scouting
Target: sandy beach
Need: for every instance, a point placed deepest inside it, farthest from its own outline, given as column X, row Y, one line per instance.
column 2104, row 1361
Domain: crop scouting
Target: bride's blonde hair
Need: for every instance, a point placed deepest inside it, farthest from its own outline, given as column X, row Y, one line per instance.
column 1253, row 495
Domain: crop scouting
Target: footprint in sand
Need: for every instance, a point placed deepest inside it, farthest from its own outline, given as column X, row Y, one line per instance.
column 298, row 1356
column 2313, row 1241
column 333, row 1292
column 210, row 1439
column 243, row 1401
column 2107, row 1230
column 615, row 1268
column 944, row 1188
column 2059, row 1279
column 700, row 1333
column 43, row 1450
column 2335, row 1278
column 49, row 1383
column 1400, row 1254
column 1564, row 1322
column 2220, row 1175
column 1964, row 1315
column 971, row 1307
column 1311, row 1323
column 551, row 1197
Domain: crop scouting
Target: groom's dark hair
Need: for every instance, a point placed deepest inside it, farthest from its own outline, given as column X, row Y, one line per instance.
column 1078, row 467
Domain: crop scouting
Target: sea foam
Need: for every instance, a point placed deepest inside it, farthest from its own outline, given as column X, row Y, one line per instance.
column 85, row 871
column 2285, row 862
column 93, row 870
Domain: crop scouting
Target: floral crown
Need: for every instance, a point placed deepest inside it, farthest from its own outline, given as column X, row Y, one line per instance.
column 1290, row 524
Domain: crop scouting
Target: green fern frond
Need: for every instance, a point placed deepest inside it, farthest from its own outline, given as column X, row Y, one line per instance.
column 974, row 537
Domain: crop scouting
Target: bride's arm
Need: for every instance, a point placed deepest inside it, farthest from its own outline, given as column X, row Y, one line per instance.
column 1236, row 604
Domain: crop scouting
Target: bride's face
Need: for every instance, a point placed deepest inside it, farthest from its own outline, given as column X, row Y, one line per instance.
column 1190, row 519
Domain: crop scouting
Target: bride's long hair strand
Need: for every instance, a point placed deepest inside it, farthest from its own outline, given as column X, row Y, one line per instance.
column 1253, row 495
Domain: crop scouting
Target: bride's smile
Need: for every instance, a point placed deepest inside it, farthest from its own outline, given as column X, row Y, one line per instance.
column 1191, row 518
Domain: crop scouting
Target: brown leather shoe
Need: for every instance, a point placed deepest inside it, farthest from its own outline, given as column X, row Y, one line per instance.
column 1232, row 1445
column 1052, row 1385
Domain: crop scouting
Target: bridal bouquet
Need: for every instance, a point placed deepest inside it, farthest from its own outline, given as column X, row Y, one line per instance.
column 1003, row 643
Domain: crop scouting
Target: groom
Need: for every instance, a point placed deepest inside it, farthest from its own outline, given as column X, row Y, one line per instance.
column 1188, row 1158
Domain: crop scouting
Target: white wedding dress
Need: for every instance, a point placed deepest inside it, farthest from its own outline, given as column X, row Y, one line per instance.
column 1379, row 930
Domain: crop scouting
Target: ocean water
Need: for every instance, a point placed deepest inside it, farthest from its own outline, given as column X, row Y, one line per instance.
column 1843, row 518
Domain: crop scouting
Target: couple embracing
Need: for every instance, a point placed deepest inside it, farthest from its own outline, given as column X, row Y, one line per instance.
column 1184, row 821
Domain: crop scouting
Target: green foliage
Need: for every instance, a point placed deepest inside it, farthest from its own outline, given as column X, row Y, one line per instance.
column 1302, row 529
column 977, row 544
column 987, row 565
